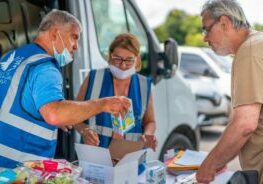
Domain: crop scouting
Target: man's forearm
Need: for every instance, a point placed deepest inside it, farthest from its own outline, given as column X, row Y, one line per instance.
column 68, row 112
column 228, row 146
column 236, row 134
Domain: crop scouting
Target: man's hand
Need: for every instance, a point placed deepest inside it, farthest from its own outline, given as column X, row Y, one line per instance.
column 90, row 137
column 205, row 173
column 150, row 141
column 116, row 105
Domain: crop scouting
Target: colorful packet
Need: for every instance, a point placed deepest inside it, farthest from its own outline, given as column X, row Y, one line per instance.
column 122, row 125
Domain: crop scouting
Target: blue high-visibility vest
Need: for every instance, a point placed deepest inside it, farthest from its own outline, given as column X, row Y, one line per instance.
column 22, row 137
column 100, row 85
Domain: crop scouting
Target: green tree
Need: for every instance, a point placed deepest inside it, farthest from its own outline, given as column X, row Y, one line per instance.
column 184, row 28
column 258, row 27
column 195, row 40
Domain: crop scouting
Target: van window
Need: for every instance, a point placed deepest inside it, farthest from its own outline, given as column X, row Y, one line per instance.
column 194, row 64
column 136, row 28
column 109, row 20
column 4, row 13
column 113, row 17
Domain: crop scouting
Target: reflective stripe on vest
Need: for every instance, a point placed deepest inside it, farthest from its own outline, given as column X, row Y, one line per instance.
column 16, row 155
column 97, row 86
column 133, row 136
column 92, row 121
column 143, row 90
column 18, row 122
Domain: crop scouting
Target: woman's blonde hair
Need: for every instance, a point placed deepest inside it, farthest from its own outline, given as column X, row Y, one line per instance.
column 129, row 42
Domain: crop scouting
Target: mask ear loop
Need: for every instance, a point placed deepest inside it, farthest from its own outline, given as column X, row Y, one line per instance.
column 61, row 39
column 53, row 45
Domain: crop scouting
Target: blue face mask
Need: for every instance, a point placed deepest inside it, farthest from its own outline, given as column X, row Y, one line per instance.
column 64, row 57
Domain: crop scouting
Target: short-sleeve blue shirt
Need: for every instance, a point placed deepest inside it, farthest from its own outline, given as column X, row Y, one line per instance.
column 44, row 85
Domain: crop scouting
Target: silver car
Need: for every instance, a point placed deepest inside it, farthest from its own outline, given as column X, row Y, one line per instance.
column 209, row 78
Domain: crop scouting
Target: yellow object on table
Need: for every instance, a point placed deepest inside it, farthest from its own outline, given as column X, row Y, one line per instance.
column 171, row 163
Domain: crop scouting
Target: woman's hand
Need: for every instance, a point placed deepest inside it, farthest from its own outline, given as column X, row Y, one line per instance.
column 90, row 137
column 150, row 141
column 66, row 128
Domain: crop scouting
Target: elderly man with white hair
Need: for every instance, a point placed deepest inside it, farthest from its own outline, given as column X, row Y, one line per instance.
column 32, row 103
column 227, row 31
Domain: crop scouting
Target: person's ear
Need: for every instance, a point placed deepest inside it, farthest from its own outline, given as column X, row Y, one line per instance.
column 225, row 22
column 53, row 34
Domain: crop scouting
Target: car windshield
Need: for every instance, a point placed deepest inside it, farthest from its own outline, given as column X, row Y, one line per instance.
column 224, row 62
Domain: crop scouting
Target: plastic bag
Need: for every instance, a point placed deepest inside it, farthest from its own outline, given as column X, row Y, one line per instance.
column 53, row 171
column 122, row 125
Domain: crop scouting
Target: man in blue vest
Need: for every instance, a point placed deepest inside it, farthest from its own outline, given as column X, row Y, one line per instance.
column 32, row 103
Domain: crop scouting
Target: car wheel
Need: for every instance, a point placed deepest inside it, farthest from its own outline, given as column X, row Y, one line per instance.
column 177, row 142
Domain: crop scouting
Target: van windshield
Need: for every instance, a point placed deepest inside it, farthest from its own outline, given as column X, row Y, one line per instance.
column 224, row 62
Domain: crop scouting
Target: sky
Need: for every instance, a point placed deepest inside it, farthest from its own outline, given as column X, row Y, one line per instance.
column 156, row 11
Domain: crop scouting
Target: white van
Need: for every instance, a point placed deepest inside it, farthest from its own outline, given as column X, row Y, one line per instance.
column 102, row 20
column 209, row 77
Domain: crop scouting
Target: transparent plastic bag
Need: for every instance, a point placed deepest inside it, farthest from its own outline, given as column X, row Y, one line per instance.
column 122, row 125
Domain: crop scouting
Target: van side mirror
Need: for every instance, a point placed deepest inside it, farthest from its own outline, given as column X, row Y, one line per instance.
column 171, row 56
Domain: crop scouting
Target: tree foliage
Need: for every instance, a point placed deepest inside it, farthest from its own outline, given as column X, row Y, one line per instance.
column 258, row 27
column 184, row 28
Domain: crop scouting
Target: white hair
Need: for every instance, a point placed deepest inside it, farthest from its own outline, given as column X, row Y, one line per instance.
column 58, row 17
column 229, row 8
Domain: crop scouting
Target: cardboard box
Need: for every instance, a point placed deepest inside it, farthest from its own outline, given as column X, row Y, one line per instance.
column 98, row 168
column 119, row 148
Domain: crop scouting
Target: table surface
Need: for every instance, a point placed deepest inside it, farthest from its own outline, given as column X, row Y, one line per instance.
column 221, row 178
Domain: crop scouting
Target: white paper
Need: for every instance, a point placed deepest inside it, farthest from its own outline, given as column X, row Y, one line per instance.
column 223, row 177
column 93, row 154
column 95, row 173
column 131, row 157
column 186, row 179
column 191, row 158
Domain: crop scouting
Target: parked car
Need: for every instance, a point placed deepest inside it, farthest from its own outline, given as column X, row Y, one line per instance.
column 174, row 103
column 209, row 77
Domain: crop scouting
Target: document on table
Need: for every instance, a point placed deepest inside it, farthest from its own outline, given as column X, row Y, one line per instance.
column 96, row 173
column 191, row 158
column 221, row 178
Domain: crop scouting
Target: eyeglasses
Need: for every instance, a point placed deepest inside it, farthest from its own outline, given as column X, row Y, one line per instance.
column 119, row 60
column 206, row 30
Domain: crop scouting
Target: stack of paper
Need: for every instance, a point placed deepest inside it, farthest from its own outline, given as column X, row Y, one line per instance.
column 186, row 160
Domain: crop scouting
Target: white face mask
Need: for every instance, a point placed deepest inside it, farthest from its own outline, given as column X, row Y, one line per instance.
column 122, row 74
